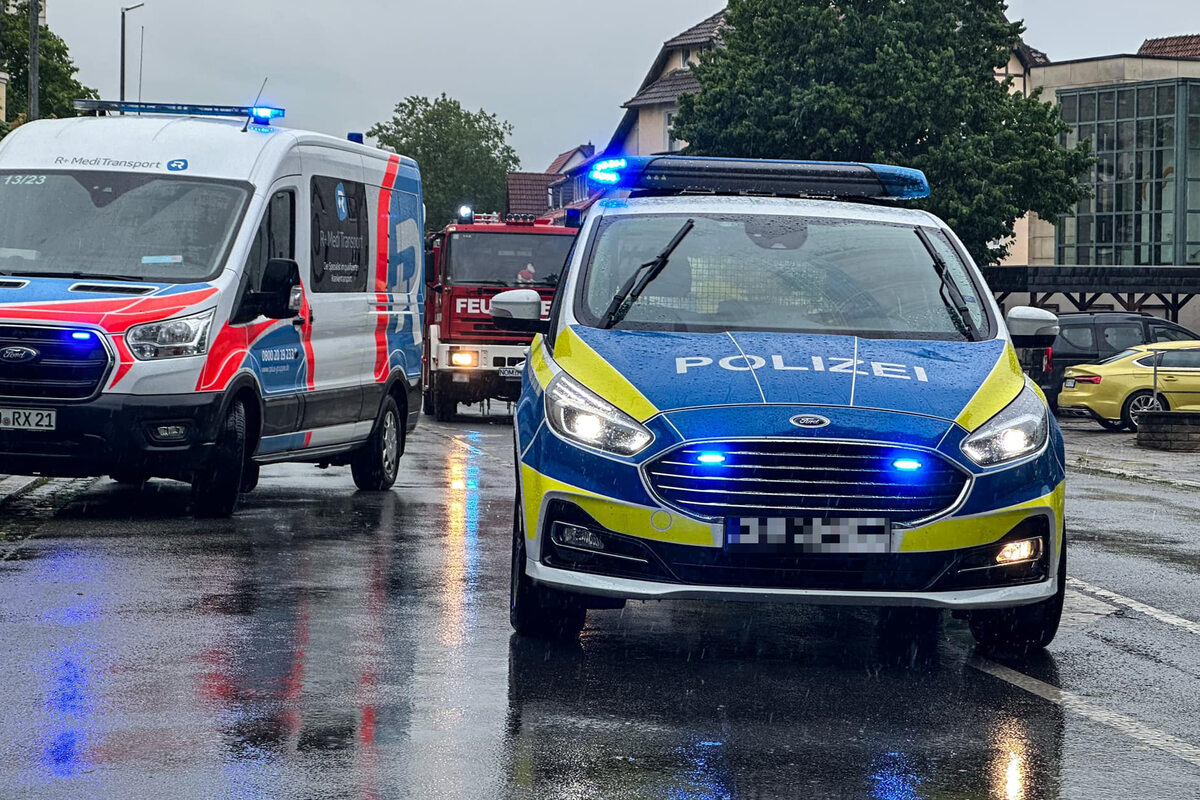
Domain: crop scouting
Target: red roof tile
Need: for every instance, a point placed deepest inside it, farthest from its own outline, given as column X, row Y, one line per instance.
column 529, row 192
column 1172, row 47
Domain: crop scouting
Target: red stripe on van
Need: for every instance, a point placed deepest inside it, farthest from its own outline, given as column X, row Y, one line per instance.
column 383, row 234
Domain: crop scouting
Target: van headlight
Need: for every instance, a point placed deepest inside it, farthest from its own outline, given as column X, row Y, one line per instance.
column 171, row 338
column 1020, row 429
column 580, row 415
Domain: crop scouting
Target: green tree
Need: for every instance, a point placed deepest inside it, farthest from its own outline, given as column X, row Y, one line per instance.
column 464, row 155
column 58, row 88
column 891, row 81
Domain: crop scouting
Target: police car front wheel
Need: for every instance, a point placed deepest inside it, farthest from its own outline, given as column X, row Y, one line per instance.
column 1019, row 630
column 539, row 611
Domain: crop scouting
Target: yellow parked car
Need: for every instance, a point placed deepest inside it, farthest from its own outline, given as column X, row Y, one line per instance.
column 1116, row 391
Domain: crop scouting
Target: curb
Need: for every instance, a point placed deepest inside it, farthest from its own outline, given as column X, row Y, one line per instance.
column 1111, row 472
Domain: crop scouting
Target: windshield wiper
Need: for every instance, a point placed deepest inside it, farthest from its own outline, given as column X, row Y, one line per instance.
column 956, row 302
column 79, row 275
column 641, row 278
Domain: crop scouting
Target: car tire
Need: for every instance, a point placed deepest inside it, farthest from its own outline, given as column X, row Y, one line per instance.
column 217, row 486
column 1113, row 425
column 539, row 612
column 377, row 463
column 250, row 476
column 1016, row 631
column 1138, row 402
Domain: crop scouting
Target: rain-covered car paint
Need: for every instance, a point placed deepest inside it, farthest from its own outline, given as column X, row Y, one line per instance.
column 686, row 388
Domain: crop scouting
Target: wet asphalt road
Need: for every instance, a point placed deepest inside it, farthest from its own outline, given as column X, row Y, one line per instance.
column 327, row 644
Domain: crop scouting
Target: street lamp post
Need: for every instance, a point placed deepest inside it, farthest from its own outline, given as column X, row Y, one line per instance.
column 125, row 10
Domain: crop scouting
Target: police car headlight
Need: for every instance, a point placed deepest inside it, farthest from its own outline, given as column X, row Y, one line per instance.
column 582, row 416
column 171, row 338
column 1020, row 429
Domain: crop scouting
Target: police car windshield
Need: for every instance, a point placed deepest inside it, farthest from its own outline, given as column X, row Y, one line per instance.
column 110, row 225
column 782, row 273
column 508, row 259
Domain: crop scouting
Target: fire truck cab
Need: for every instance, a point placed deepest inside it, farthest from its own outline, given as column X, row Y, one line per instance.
column 467, row 358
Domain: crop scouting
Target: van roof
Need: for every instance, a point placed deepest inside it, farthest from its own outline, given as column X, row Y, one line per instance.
column 201, row 146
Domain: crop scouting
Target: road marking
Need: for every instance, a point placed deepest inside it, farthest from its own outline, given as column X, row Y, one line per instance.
column 1134, row 605
column 1070, row 701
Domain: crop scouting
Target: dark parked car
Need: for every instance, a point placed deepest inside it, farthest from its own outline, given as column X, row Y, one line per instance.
column 1089, row 337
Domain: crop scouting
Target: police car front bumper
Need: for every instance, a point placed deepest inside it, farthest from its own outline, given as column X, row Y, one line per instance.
column 632, row 589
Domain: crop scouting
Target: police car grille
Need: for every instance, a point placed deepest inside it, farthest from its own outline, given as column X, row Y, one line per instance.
column 64, row 368
column 805, row 478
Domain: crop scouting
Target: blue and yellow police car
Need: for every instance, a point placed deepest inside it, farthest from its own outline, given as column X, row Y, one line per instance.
column 766, row 380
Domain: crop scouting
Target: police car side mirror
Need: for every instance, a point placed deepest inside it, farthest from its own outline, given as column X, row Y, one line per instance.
column 277, row 297
column 519, row 310
column 1033, row 328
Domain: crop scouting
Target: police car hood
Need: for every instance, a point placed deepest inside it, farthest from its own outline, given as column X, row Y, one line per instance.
column 651, row 372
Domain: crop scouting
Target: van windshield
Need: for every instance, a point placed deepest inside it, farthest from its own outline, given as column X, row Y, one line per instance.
column 785, row 273
column 116, row 225
column 508, row 259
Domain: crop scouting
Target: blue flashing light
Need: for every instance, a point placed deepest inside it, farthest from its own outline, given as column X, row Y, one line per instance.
column 262, row 115
column 608, row 172
column 711, row 458
column 818, row 179
column 81, row 336
column 907, row 464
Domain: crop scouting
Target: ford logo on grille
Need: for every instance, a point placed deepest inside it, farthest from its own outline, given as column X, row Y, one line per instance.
column 809, row 421
column 18, row 355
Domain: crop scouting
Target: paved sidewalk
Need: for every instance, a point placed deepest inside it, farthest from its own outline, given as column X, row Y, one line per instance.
column 1090, row 448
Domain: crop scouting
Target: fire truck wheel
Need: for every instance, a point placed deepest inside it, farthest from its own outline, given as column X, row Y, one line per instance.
column 217, row 485
column 444, row 407
column 377, row 462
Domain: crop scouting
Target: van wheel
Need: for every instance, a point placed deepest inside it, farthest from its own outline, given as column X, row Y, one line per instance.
column 538, row 611
column 444, row 407
column 377, row 462
column 1138, row 403
column 217, row 485
column 1018, row 630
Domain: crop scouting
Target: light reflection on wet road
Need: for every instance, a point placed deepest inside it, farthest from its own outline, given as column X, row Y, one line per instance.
column 330, row 644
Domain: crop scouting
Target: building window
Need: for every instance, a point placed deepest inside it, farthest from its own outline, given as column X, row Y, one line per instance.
column 686, row 58
column 673, row 145
column 1145, row 204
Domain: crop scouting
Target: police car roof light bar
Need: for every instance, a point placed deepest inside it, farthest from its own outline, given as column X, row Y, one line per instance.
column 682, row 174
column 262, row 115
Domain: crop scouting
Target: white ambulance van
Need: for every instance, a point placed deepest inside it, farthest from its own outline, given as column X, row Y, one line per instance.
column 190, row 292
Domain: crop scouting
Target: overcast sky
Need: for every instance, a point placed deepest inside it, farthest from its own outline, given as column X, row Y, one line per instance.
column 559, row 71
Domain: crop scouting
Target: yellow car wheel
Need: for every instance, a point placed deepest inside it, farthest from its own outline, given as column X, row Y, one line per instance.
column 1139, row 403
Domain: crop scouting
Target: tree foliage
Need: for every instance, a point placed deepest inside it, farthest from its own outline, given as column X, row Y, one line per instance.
column 464, row 155
column 58, row 86
column 891, row 81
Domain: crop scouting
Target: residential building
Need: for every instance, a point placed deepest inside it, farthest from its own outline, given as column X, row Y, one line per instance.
column 537, row 192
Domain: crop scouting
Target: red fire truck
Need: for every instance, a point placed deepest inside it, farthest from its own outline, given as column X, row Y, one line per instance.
column 467, row 359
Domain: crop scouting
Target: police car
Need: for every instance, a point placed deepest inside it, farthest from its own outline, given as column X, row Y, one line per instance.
column 766, row 380
column 192, row 292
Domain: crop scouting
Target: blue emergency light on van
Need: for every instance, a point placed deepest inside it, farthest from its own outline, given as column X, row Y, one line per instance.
column 680, row 174
column 262, row 115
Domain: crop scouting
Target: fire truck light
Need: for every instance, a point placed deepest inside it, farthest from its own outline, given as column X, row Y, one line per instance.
column 464, row 358
column 466, row 216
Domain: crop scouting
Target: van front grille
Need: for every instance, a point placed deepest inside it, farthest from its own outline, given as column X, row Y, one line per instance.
column 805, row 478
column 39, row 363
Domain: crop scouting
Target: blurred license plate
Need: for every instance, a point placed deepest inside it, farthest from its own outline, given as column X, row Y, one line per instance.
column 1069, row 383
column 808, row 535
column 27, row 419
column 510, row 372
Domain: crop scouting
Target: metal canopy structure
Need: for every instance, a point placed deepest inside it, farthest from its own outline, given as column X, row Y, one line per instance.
column 1131, row 288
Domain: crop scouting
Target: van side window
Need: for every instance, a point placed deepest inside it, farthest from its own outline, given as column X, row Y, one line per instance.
column 340, row 235
column 1080, row 338
column 1166, row 333
column 276, row 237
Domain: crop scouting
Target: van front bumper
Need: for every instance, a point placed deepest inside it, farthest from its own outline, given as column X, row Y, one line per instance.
column 116, row 433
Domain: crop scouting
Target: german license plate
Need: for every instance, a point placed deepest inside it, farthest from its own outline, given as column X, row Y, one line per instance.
column 510, row 372
column 27, row 419
column 808, row 535
column 1069, row 383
